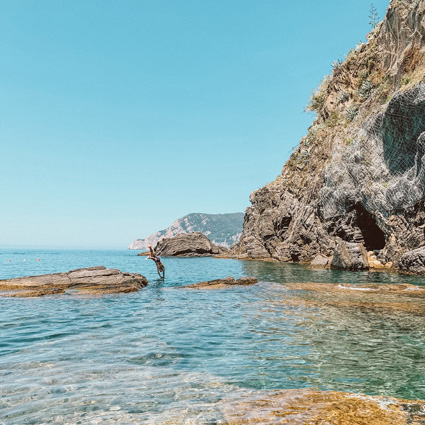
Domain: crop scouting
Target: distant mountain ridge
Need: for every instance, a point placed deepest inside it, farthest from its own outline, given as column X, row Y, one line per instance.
column 221, row 229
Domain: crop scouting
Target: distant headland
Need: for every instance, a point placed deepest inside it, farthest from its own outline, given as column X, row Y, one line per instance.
column 221, row 229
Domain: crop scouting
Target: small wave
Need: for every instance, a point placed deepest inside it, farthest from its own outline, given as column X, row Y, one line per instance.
column 356, row 289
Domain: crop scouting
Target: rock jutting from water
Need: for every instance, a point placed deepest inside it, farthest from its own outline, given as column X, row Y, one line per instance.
column 91, row 280
column 226, row 282
column 194, row 244
column 358, row 176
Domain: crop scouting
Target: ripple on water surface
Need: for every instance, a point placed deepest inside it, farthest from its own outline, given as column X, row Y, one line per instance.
column 164, row 355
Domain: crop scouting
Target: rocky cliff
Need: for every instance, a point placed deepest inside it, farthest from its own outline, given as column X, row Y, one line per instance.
column 221, row 229
column 357, row 177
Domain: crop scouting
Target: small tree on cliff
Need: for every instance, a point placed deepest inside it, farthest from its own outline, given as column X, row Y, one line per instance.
column 374, row 18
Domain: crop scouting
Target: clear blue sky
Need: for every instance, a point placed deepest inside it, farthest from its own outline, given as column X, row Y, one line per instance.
column 118, row 117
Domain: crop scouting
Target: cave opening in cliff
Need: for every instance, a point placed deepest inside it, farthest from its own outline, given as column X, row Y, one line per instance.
column 373, row 236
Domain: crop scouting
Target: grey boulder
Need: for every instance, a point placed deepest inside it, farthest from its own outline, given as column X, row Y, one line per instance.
column 349, row 256
column 413, row 261
column 194, row 244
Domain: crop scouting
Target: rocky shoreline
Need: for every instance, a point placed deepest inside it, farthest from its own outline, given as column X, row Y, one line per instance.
column 345, row 255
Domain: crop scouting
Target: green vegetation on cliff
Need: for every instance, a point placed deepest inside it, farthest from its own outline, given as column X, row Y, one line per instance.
column 358, row 176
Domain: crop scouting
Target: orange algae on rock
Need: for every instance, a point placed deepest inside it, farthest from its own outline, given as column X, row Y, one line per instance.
column 312, row 407
column 383, row 298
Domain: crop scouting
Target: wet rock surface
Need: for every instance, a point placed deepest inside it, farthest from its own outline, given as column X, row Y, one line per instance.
column 92, row 280
column 194, row 244
column 226, row 282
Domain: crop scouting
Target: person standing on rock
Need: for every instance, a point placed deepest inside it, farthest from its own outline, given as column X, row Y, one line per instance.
column 159, row 266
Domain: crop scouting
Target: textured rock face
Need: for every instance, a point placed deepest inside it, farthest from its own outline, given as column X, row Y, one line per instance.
column 188, row 245
column 221, row 229
column 349, row 256
column 413, row 261
column 320, row 262
column 359, row 173
column 92, row 280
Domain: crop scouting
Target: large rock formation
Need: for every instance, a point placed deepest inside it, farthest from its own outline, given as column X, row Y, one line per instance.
column 92, row 280
column 193, row 244
column 359, row 173
column 221, row 229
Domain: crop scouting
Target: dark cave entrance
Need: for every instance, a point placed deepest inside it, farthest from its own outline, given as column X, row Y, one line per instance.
column 373, row 236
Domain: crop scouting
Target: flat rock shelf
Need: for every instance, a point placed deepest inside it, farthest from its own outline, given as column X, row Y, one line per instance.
column 226, row 282
column 91, row 280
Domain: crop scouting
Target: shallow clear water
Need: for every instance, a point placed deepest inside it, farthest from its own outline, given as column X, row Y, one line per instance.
column 168, row 355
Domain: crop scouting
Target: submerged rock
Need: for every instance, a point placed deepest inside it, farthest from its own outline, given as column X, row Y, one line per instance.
column 310, row 406
column 223, row 283
column 91, row 280
column 385, row 299
column 194, row 244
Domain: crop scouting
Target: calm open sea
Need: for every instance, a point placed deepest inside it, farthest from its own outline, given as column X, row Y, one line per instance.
column 169, row 356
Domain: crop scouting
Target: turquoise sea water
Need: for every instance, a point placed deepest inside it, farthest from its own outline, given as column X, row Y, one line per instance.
column 168, row 355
